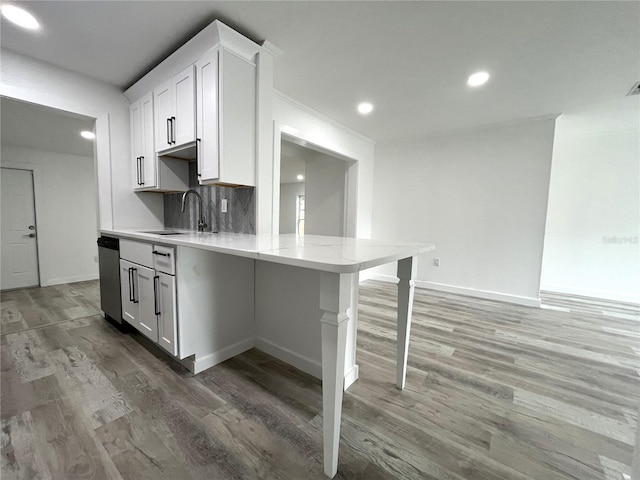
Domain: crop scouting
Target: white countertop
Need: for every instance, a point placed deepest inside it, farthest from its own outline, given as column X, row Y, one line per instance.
column 330, row 254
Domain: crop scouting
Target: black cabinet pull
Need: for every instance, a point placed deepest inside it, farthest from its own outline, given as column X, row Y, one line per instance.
column 173, row 130
column 156, row 307
column 130, row 271
column 155, row 252
column 198, row 156
column 135, row 275
column 141, row 170
column 138, row 170
column 169, row 131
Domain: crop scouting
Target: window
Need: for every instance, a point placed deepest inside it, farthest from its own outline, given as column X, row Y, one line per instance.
column 300, row 215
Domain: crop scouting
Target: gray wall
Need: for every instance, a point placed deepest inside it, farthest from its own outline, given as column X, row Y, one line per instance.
column 481, row 196
column 324, row 195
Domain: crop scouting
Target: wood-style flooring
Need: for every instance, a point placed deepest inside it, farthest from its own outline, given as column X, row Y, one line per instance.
column 494, row 391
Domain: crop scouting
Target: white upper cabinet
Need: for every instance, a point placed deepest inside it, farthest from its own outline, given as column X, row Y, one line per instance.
column 207, row 112
column 226, row 118
column 142, row 145
column 175, row 119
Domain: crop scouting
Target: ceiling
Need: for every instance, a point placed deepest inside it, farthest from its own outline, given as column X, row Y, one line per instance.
column 410, row 59
column 43, row 128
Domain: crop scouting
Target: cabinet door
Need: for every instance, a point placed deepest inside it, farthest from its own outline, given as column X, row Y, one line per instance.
column 238, row 120
column 184, row 102
column 135, row 112
column 166, row 309
column 127, row 292
column 162, row 102
column 207, row 117
column 147, row 147
column 147, row 322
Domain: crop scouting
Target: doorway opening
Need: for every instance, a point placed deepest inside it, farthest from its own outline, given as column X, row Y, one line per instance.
column 314, row 191
column 45, row 144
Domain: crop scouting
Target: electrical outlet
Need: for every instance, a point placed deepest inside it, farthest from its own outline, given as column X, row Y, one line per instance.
column 436, row 262
column 223, row 205
column 95, row 258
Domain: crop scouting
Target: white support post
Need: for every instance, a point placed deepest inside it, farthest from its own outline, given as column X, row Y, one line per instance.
column 335, row 298
column 351, row 369
column 407, row 268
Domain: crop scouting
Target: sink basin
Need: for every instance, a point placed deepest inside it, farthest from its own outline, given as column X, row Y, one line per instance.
column 164, row 232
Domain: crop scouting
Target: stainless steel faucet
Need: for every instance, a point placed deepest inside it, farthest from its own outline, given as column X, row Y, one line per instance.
column 201, row 224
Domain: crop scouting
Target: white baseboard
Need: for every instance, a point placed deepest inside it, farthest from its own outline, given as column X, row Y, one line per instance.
column 599, row 294
column 351, row 376
column 381, row 278
column 207, row 361
column 488, row 295
column 301, row 362
column 468, row 292
column 61, row 281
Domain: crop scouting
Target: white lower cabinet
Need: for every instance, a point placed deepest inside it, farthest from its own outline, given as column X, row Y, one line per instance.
column 149, row 295
column 147, row 321
column 166, row 312
column 130, row 307
column 196, row 304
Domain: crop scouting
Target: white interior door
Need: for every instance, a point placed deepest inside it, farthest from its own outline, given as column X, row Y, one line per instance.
column 19, row 242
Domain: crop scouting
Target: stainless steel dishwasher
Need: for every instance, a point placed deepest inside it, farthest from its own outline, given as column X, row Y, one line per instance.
column 109, row 265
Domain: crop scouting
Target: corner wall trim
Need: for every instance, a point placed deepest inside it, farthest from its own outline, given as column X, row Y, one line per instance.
column 468, row 292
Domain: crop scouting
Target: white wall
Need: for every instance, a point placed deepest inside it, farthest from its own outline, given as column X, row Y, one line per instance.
column 64, row 190
column 324, row 195
column 591, row 246
column 31, row 80
column 289, row 193
column 308, row 125
column 480, row 196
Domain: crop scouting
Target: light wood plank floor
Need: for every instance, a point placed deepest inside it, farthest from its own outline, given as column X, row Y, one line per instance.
column 494, row 391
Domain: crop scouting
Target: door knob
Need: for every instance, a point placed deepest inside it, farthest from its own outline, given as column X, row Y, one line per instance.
column 32, row 227
column 31, row 235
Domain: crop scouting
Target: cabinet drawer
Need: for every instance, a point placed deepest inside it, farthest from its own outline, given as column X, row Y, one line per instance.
column 164, row 259
column 137, row 252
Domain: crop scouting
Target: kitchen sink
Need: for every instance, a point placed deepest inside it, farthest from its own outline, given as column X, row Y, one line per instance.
column 165, row 232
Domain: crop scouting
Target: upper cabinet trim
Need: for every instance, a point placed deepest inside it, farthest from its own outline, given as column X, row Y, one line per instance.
column 215, row 34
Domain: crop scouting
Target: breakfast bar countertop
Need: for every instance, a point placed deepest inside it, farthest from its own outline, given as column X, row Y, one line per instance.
column 317, row 252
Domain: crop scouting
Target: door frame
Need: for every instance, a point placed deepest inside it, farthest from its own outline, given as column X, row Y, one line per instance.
column 280, row 133
column 36, row 178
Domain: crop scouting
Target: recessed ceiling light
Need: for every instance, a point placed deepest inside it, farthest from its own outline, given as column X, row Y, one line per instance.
column 20, row 17
column 365, row 108
column 477, row 79
column 300, row 177
column 87, row 134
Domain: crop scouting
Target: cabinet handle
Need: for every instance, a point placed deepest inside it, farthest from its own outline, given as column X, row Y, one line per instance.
column 141, row 170
column 155, row 252
column 168, row 131
column 135, row 275
column 198, row 167
column 138, row 170
column 156, row 307
column 173, row 130
column 130, row 271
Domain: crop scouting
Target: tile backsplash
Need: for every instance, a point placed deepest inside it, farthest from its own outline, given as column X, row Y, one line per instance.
column 241, row 208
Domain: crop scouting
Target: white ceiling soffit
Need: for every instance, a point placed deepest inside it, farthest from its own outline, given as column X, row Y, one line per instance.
column 410, row 59
column 33, row 126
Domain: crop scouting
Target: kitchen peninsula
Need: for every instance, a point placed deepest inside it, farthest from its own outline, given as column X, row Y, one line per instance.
column 294, row 297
